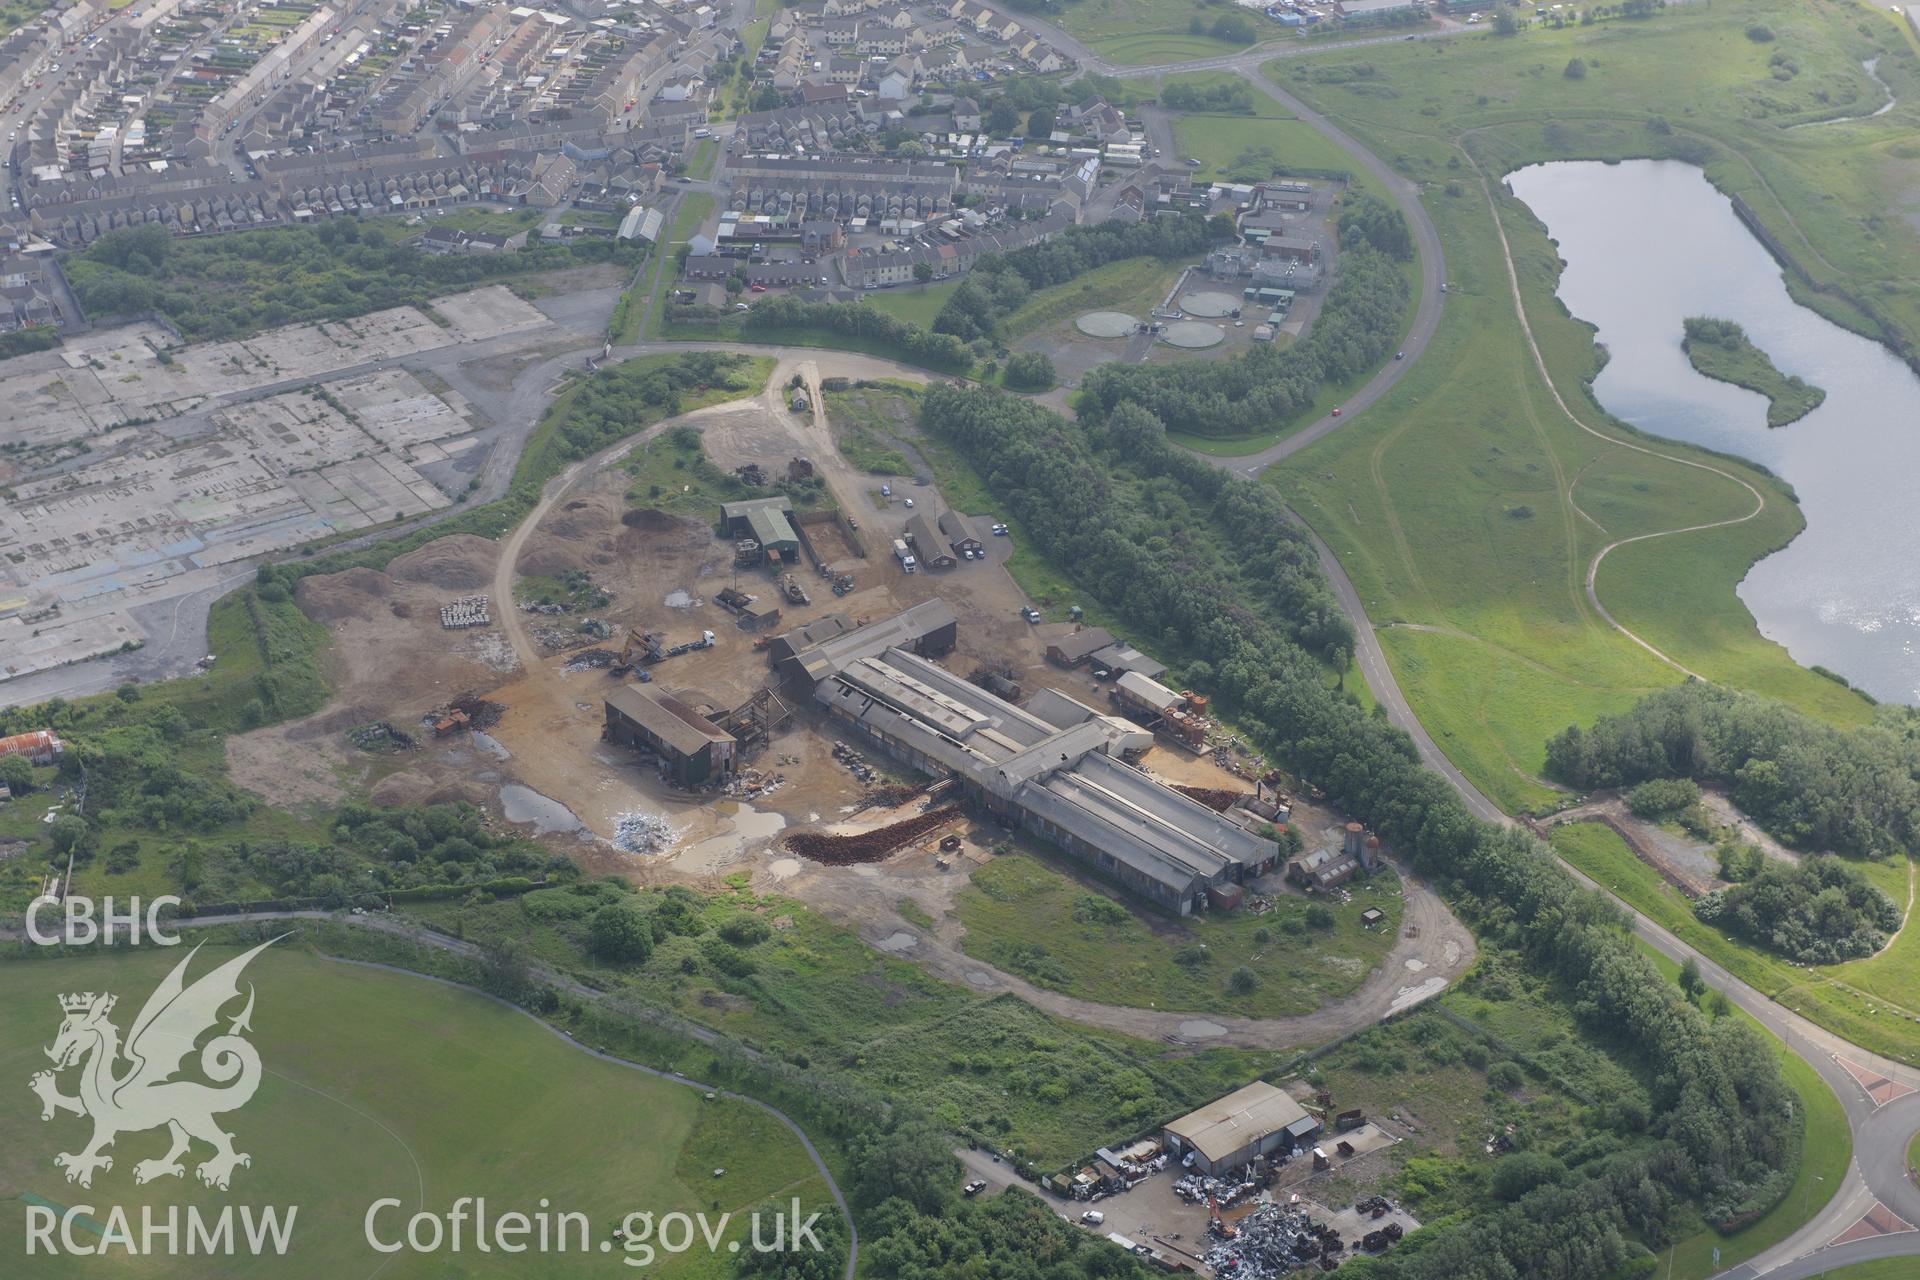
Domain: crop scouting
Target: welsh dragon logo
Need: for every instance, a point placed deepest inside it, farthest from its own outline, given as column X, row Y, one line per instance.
column 144, row 1093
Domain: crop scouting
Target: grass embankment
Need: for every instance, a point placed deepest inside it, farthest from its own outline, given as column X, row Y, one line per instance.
column 350, row 1054
column 1465, row 505
column 1720, row 349
column 918, row 304
column 815, row 995
column 1038, row 915
column 1838, row 997
column 1132, row 285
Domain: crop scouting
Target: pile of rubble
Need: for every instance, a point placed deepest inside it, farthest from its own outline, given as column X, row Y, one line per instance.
column 1273, row 1241
column 467, row 611
column 867, row 846
column 638, row 832
column 856, row 763
column 468, row 711
column 751, row 784
column 1215, row 798
column 887, row 795
column 592, row 660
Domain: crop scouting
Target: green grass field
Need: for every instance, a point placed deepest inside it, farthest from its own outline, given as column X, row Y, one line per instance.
column 1253, row 148
column 378, row 1084
column 1035, row 914
column 1143, row 31
column 916, row 305
column 1148, row 48
column 1466, row 506
column 1838, row 997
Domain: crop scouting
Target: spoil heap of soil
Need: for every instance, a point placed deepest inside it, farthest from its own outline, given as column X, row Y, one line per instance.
column 410, row 788
column 459, row 562
column 333, row 597
column 867, row 846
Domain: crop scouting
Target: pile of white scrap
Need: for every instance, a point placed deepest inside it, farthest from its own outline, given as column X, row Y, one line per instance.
column 638, row 832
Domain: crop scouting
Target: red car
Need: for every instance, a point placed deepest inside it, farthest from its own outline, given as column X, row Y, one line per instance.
column 758, row 288
column 1336, row 413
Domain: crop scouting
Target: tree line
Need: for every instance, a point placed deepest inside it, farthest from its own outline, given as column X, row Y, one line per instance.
column 1157, row 536
column 1852, row 791
column 231, row 285
column 886, row 333
column 1359, row 324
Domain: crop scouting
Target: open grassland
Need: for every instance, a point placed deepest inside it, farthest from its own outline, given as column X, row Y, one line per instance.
column 1825, row 1152
column 1234, row 148
column 1467, row 506
column 1690, row 82
column 1833, row 995
column 1142, row 32
column 377, row 1084
column 1033, row 914
column 814, row 994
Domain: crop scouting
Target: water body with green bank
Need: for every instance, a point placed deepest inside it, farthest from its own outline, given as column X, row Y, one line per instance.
column 1648, row 243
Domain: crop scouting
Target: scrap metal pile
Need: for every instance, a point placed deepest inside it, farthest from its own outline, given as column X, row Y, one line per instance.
column 1194, row 1188
column 380, row 736
column 638, row 832
column 468, row 711
column 751, row 784
column 1274, row 1241
column 592, row 660
column 1215, row 798
column 867, row 846
column 856, row 763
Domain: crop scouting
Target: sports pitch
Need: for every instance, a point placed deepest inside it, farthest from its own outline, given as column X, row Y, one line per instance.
column 376, row 1084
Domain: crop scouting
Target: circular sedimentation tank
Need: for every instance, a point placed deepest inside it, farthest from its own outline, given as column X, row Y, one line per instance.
column 1208, row 303
column 1106, row 324
column 1193, row 334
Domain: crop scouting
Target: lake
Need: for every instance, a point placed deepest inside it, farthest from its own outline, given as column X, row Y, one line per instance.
column 1650, row 242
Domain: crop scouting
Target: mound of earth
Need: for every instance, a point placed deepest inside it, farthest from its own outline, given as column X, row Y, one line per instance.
column 411, row 787
column 459, row 562
column 552, row 558
column 651, row 520
column 332, row 597
column 587, row 516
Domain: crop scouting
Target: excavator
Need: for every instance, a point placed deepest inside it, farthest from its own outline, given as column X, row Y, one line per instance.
column 641, row 646
column 1219, row 1225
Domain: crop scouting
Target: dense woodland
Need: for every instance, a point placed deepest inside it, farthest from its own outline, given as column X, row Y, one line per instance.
column 999, row 283
column 1820, row 912
column 881, row 331
column 227, row 286
column 1164, row 540
column 1815, row 787
column 1363, row 317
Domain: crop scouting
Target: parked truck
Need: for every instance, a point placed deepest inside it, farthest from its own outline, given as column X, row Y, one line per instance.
column 904, row 555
